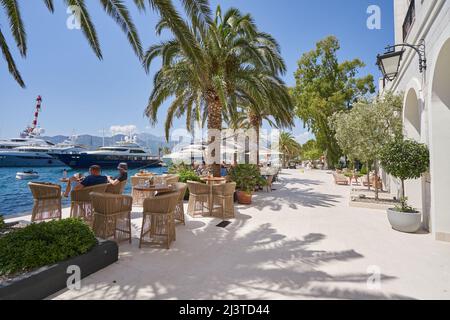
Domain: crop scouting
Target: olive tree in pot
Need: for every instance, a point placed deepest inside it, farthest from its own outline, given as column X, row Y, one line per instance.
column 247, row 178
column 405, row 159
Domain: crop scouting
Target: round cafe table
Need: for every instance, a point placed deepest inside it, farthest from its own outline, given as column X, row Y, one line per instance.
column 143, row 192
column 213, row 180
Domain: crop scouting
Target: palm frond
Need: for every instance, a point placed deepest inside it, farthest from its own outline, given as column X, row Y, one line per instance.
column 119, row 12
column 16, row 24
column 49, row 5
column 86, row 25
column 10, row 61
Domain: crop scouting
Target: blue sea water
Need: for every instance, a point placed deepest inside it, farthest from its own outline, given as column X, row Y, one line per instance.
column 15, row 196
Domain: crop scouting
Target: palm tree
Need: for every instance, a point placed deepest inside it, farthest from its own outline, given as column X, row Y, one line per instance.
column 212, row 66
column 289, row 147
column 114, row 8
column 251, row 116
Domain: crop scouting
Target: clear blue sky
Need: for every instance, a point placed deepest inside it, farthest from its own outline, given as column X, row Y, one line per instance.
column 84, row 94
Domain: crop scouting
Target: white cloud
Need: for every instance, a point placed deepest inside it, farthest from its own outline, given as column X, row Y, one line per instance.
column 125, row 129
column 303, row 137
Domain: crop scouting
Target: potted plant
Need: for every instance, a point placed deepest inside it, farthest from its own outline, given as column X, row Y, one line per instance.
column 405, row 159
column 247, row 178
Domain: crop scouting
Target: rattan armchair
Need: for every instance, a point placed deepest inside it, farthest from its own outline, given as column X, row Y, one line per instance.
column 47, row 201
column 269, row 182
column 179, row 209
column 81, row 205
column 138, row 196
column 158, row 225
column 116, row 189
column 172, row 179
column 223, row 200
column 199, row 195
column 112, row 216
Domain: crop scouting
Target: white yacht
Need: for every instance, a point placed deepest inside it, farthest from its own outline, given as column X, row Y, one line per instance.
column 109, row 157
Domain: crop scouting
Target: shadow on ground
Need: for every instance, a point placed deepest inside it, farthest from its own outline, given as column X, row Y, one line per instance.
column 207, row 262
column 286, row 193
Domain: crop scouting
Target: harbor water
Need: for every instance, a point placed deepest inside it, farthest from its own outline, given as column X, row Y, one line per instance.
column 15, row 196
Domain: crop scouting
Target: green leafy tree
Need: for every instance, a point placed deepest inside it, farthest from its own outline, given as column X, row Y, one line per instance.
column 323, row 87
column 405, row 159
column 363, row 131
column 210, row 68
column 310, row 150
column 116, row 9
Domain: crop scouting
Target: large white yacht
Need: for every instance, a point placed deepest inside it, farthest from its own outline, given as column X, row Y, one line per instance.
column 109, row 157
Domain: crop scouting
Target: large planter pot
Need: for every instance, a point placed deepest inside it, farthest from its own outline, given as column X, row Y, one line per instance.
column 404, row 221
column 244, row 197
column 45, row 281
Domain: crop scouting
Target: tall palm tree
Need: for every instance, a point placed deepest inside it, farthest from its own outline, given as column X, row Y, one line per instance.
column 211, row 67
column 114, row 8
column 289, row 147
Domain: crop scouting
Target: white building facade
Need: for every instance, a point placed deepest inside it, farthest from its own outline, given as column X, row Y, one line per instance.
column 426, row 109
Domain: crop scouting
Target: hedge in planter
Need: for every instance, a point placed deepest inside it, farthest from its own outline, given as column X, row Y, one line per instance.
column 43, row 244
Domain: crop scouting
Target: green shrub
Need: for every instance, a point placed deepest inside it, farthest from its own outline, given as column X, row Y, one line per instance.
column 247, row 177
column 405, row 159
column 2, row 222
column 178, row 168
column 46, row 243
column 364, row 170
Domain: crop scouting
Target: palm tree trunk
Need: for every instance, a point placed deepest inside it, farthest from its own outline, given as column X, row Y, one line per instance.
column 214, row 123
column 255, row 122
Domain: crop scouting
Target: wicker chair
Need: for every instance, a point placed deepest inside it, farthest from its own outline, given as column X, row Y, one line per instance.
column 223, row 196
column 269, row 183
column 81, row 205
column 47, row 201
column 179, row 209
column 172, row 179
column 158, row 225
column 116, row 189
column 199, row 194
column 112, row 216
column 138, row 198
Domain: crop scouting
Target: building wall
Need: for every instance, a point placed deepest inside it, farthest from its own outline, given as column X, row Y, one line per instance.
column 426, row 112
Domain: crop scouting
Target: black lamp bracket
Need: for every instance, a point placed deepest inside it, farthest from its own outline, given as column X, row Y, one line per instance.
column 419, row 48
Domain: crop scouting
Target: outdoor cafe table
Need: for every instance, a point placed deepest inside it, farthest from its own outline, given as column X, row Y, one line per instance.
column 213, row 180
column 143, row 192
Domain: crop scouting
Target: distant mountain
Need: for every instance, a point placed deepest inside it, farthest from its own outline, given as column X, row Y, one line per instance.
column 93, row 142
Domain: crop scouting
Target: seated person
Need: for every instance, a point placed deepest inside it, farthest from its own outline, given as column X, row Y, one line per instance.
column 94, row 178
column 121, row 176
column 223, row 170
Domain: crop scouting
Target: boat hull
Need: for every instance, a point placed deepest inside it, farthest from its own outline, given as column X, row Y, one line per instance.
column 84, row 160
column 29, row 162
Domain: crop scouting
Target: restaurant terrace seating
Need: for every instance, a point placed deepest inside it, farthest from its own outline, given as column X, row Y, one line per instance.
column 112, row 216
column 136, row 194
column 117, row 189
column 172, row 179
column 47, row 201
column 179, row 209
column 81, row 205
column 223, row 200
column 158, row 226
column 199, row 194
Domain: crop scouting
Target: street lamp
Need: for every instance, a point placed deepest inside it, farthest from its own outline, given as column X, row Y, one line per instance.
column 389, row 62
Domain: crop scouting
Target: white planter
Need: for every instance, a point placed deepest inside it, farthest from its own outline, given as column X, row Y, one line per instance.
column 404, row 221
